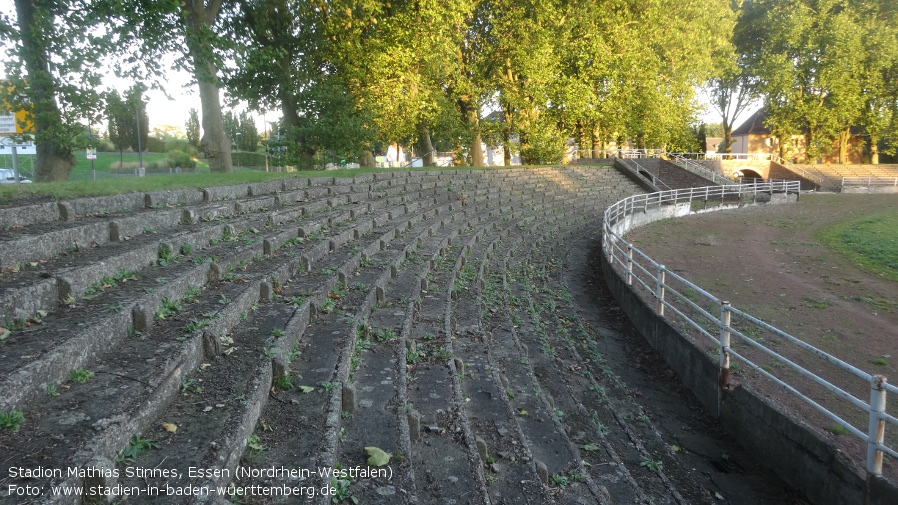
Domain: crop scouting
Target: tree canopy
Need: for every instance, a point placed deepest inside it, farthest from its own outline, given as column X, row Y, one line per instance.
column 351, row 77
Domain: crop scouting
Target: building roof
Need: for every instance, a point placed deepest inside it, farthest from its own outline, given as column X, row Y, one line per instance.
column 754, row 125
column 712, row 143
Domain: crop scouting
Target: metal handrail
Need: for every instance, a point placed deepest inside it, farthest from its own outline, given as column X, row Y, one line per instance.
column 655, row 180
column 702, row 171
column 868, row 182
column 767, row 157
column 676, row 296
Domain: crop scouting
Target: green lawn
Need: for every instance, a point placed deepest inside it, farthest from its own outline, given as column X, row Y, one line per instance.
column 103, row 163
column 870, row 242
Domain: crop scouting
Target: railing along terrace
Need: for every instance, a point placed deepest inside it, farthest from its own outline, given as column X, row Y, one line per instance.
column 619, row 153
column 868, row 182
column 700, row 170
column 766, row 157
column 641, row 170
column 836, row 389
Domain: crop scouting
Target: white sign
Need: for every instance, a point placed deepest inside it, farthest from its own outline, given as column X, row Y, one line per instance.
column 21, row 147
column 7, row 123
column 91, row 153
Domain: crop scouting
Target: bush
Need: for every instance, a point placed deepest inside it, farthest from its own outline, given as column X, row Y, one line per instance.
column 154, row 145
column 248, row 159
column 180, row 159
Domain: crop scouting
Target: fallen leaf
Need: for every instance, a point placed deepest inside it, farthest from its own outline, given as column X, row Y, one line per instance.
column 4, row 333
column 306, row 389
column 204, row 366
column 170, row 427
column 377, row 457
column 590, row 447
column 676, row 448
column 207, row 408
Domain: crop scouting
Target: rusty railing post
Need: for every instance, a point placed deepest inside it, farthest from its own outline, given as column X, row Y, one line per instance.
column 877, row 429
column 725, row 321
column 629, row 264
column 660, row 289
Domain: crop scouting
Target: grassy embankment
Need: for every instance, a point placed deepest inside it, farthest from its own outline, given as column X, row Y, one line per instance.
column 870, row 242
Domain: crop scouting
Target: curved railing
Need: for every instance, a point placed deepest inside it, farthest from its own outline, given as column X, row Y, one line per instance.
column 736, row 338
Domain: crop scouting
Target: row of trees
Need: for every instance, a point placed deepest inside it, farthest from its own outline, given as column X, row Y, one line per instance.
column 350, row 75
column 824, row 69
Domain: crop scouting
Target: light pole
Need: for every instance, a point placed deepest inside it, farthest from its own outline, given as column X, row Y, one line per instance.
column 140, row 171
column 238, row 149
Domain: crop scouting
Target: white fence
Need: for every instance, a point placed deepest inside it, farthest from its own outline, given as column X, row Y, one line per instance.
column 869, row 182
column 843, row 393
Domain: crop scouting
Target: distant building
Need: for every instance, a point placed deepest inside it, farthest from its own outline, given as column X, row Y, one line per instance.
column 712, row 145
column 753, row 137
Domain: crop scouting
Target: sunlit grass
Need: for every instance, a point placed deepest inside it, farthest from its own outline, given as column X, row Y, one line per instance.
column 871, row 243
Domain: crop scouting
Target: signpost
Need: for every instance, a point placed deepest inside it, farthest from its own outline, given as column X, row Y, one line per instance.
column 12, row 126
column 92, row 155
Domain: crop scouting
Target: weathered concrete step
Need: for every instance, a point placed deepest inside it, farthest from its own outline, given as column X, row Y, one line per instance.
column 384, row 361
column 558, row 459
column 500, row 444
column 615, row 404
column 629, row 462
column 91, row 422
column 72, row 282
column 320, row 369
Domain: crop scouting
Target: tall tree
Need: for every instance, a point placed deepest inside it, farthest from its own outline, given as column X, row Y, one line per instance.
column 52, row 78
column 192, row 128
column 805, row 55
column 121, row 122
column 137, row 108
column 186, row 28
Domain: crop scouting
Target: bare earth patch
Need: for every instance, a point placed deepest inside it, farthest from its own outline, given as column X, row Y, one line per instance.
column 770, row 262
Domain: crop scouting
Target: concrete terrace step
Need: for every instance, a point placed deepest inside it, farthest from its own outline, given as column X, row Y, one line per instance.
column 287, row 281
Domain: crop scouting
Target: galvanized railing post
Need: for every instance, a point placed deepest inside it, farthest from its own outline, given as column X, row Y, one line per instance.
column 629, row 264
column 660, row 289
column 725, row 321
column 877, row 429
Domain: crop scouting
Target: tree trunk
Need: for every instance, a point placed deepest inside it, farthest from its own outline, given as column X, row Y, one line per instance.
column 873, row 147
column 473, row 120
column 727, row 137
column 477, row 150
column 54, row 161
column 506, row 138
column 215, row 142
column 844, row 140
column 425, row 145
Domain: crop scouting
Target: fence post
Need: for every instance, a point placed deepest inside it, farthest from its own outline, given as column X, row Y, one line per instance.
column 660, row 289
column 629, row 264
column 725, row 320
column 877, row 429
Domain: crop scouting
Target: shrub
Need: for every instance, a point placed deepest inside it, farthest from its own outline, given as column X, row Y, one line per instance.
column 179, row 158
column 248, row 159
